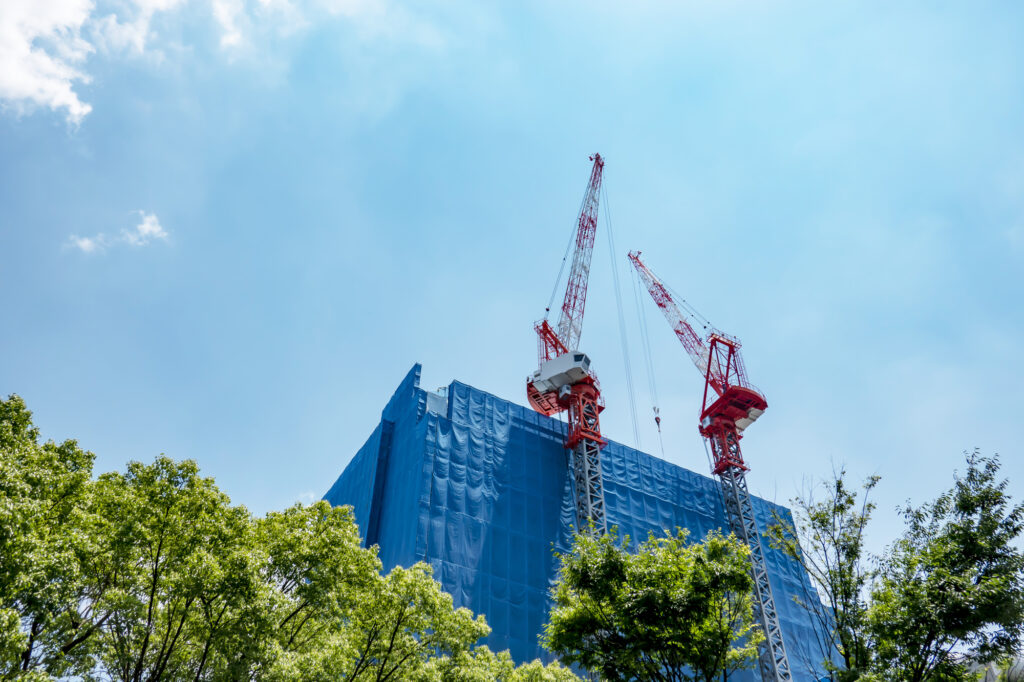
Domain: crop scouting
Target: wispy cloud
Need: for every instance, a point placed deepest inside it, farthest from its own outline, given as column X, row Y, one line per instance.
column 45, row 44
column 87, row 244
column 147, row 231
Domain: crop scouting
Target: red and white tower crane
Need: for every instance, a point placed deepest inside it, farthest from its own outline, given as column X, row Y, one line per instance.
column 563, row 380
column 729, row 406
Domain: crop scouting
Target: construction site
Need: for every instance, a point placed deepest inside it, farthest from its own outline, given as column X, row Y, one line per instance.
column 488, row 491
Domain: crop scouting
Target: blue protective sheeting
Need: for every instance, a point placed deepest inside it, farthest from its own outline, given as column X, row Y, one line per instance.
column 478, row 487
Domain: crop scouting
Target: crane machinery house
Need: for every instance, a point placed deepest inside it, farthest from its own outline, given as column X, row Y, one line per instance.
column 480, row 488
column 557, row 375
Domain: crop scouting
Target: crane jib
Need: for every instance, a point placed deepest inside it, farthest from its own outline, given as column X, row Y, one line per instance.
column 570, row 323
column 730, row 405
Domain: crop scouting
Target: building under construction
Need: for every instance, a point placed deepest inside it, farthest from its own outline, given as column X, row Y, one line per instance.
column 479, row 488
column 485, row 490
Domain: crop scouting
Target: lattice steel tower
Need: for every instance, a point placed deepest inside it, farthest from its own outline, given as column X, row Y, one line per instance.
column 564, row 381
column 734, row 405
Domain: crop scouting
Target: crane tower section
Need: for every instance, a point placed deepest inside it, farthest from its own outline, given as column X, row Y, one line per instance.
column 729, row 406
column 564, row 380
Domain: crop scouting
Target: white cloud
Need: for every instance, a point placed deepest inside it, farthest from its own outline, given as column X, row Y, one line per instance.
column 228, row 15
column 112, row 35
column 148, row 230
column 44, row 44
column 41, row 48
column 86, row 244
column 385, row 19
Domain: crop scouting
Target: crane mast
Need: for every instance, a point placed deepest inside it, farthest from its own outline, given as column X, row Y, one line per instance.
column 729, row 406
column 564, row 381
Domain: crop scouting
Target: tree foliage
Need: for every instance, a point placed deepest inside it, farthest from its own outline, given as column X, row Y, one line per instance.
column 44, row 497
column 948, row 594
column 826, row 536
column 482, row 665
column 152, row 574
column 402, row 622
column 668, row 611
column 952, row 587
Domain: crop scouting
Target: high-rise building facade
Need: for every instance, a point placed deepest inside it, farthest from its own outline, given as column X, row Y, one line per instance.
column 479, row 488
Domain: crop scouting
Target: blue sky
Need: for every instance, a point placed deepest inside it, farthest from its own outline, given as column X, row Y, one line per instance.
column 228, row 228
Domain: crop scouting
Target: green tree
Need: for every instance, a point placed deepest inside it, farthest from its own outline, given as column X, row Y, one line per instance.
column 953, row 584
column 668, row 611
column 400, row 623
column 319, row 572
column 175, row 579
column 535, row 671
column 726, row 640
column 44, row 494
column 152, row 574
column 827, row 538
column 480, row 664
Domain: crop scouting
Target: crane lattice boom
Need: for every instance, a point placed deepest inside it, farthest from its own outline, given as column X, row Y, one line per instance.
column 570, row 323
column 733, row 406
column 693, row 344
column 564, row 381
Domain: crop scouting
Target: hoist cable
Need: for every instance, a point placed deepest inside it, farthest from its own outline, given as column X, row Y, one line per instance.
column 641, row 313
column 622, row 320
column 565, row 257
column 707, row 453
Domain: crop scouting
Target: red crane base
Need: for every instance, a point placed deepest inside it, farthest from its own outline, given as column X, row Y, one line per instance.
column 584, row 405
column 718, row 425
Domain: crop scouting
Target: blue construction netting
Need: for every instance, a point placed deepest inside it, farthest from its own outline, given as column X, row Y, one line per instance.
column 478, row 487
